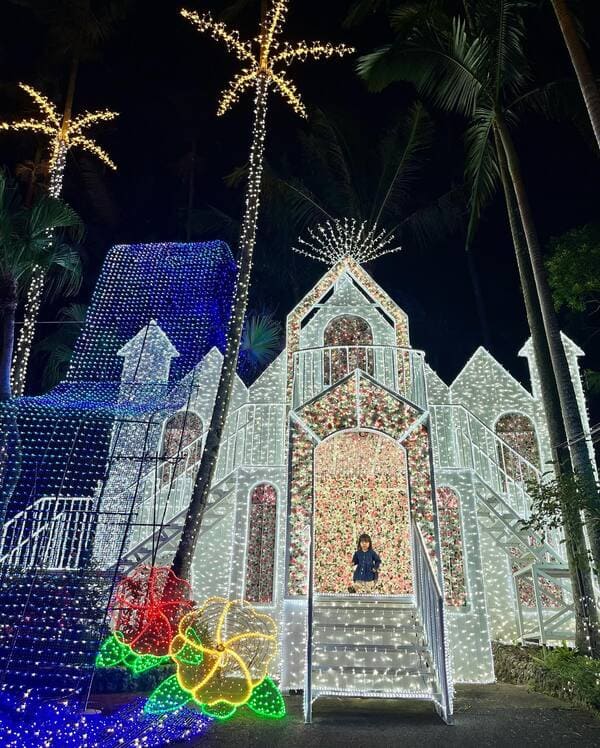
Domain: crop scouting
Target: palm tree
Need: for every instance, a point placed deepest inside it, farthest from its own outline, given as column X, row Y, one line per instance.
column 477, row 67
column 25, row 244
column 75, row 28
column 265, row 69
column 581, row 63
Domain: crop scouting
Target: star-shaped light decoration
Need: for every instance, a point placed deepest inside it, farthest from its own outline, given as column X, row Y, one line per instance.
column 337, row 239
column 262, row 56
column 65, row 133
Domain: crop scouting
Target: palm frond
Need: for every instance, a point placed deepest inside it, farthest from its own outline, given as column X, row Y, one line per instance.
column 435, row 222
column 448, row 69
column 64, row 270
column 402, row 156
column 481, row 167
column 261, row 342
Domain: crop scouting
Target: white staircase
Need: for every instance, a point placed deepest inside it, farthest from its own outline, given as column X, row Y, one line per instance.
column 370, row 646
column 165, row 537
column 380, row 646
column 538, row 564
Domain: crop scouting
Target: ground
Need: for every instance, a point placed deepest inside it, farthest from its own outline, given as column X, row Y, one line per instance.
column 495, row 715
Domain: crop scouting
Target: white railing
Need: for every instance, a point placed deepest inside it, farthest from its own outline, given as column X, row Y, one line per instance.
column 401, row 370
column 53, row 533
column 430, row 603
column 461, row 440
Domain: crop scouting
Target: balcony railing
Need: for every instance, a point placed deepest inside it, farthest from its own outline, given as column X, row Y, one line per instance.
column 401, row 370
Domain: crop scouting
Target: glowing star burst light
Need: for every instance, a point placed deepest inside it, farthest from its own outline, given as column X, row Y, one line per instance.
column 271, row 53
column 335, row 240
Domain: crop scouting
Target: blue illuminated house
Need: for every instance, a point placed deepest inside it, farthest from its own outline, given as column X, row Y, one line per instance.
column 61, row 446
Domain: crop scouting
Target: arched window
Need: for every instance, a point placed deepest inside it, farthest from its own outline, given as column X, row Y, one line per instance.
column 518, row 432
column 260, row 555
column 350, row 341
column 181, row 447
column 452, row 547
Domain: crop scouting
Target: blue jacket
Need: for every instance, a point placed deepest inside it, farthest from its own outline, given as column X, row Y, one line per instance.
column 367, row 563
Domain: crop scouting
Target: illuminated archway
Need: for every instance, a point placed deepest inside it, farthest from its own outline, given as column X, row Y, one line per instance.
column 518, row 432
column 260, row 554
column 361, row 486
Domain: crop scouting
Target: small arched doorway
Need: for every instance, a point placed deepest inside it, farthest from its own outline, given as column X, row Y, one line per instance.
column 361, row 486
column 348, row 340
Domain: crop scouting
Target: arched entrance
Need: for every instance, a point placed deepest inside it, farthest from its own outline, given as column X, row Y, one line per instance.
column 361, row 486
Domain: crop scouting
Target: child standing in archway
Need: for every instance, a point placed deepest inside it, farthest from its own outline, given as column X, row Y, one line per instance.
column 366, row 563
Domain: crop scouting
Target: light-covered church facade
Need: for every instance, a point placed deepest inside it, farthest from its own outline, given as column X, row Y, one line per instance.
column 347, row 431
column 350, row 431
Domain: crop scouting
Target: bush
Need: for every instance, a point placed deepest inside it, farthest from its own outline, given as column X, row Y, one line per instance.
column 580, row 674
column 560, row 672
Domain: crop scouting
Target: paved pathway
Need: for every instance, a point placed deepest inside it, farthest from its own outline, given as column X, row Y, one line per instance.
column 496, row 715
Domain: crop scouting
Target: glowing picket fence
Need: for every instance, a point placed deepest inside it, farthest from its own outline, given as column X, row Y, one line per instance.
column 401, row 370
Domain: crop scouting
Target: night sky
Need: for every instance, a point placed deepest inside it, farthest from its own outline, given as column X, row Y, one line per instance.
column 164, row 78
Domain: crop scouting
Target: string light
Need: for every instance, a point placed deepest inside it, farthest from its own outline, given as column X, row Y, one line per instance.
column 337, row 240
column 271, row 51
column 222, row 654
column 64, row 133
column 32, row 722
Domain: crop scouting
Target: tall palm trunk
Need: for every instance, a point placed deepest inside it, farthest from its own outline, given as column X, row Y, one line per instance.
column 8, row 308
column 586, row 617
column 187, row 545
column 579, row 58
column 578, row 447
column 33, row 301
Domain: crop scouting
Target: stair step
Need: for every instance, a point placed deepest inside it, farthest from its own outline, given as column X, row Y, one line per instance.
column 408, row 661
column 379, row 638
column 376, row 648
column 363, row 679
column 365, row 601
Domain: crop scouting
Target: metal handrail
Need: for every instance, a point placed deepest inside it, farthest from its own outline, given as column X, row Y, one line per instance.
column 430, row 603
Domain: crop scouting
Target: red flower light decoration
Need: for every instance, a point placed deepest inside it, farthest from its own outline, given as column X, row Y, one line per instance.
column 147, row 608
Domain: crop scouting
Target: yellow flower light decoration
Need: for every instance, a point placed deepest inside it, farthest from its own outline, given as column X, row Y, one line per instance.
column 222, row 653
column 236, row 643
column 263, row 61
